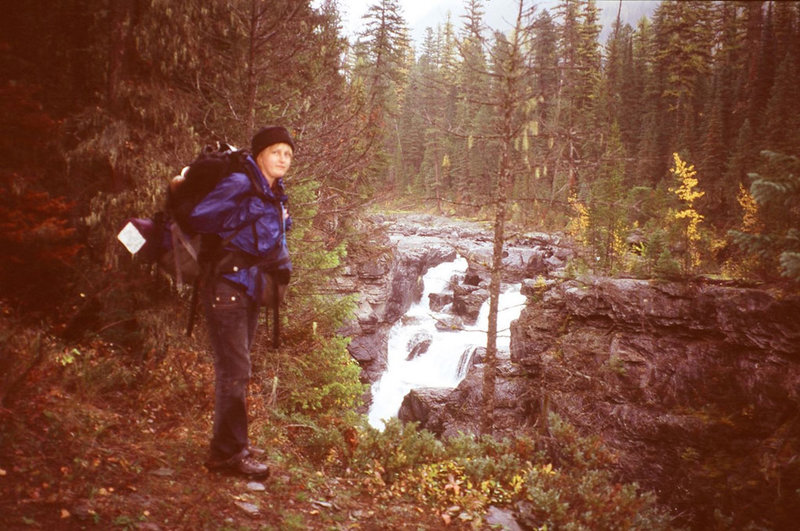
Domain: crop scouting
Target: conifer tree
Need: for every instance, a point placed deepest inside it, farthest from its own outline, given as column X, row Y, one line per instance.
column 569, row 96
column 743, row 156
column 383, row 64
column 763, row 69
column 472, row 159
column 713, row 161
column 650, row 164
column 545, row 82
column 590, row 77
column 453, row 177
column 781, row 124
column 729, row 65
column 511, row 94
column 607, row 215
column 580, row 73
column 776, row 190
column 618, row 76
column 683, row 41
column 412, row 123
column 631, row 94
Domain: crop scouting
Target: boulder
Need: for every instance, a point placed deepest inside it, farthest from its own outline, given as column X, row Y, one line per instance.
column 437, row 301
column 449, row 323
column 448, row 412
column 467, row 302
column 424, row 406
column 419, row 344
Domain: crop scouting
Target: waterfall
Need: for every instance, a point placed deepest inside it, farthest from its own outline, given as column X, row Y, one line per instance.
column 441, row 357
column 465, row 361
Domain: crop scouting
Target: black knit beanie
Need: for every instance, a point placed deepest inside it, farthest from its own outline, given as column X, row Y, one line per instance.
column 266, row 136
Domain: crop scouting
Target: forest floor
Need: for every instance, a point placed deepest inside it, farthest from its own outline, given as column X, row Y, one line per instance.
column 75, row 456
column 86, row 445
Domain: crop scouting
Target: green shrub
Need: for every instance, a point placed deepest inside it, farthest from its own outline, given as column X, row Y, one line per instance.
column 397, row 449
column 562, row 481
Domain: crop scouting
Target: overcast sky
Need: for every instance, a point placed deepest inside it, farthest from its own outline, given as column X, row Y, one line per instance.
column 420, row 14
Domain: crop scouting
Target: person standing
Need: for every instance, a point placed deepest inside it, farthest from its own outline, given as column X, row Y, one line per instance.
column 247, row 216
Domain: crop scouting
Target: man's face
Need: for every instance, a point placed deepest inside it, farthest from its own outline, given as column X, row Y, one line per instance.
column 275, row 160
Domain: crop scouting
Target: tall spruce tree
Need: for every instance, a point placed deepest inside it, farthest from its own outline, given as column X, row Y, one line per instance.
column 781, row 126
column 545, row 82
column 650, row 164
column 511, row 95
column 713, row 158
column 569, row 95
column 383, row 63
column 412, row 123
column 471, row 160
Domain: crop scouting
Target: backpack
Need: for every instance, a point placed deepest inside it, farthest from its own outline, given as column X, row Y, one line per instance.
column 167, row 240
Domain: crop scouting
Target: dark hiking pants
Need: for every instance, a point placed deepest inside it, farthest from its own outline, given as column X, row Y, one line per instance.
column 231, row 318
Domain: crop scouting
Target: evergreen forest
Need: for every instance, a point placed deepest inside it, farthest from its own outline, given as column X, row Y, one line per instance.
column 668, row 151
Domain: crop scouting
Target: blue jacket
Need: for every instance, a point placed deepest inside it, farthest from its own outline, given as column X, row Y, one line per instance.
column 254, row 225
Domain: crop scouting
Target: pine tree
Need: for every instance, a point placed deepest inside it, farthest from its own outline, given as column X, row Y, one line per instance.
column 650, row 164
column 569, row 96
column 713, row 160
column 472, row 159
column 742, row 157
column 607, row 211
column 545, row 82
column 383, row 65
column 781, row 126
column 763, row 70
column 411, row 122
column 622, row 85
column 580, row 74
column 511, row 94
column 776, row 190
column 683, row 40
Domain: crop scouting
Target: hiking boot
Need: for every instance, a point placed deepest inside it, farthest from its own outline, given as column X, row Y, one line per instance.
column 244, row 466
column 250, row 468
column 255, row 450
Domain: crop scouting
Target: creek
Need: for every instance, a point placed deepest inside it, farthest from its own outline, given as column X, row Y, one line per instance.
column 424, row 351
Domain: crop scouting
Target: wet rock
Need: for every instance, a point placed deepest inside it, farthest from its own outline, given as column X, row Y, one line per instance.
column 686, row 382
column 425, row 406
column 249, row 509
column 437, row 301
column 448, row 412
column 370, row 351
column 498, row 518
column 472, row 278
column 418, row 345
column 374, row 270
column 449, row 323
column 467, row 302
column 470, row 357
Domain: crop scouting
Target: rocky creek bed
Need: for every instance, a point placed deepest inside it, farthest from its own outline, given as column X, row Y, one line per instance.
column 694, row 384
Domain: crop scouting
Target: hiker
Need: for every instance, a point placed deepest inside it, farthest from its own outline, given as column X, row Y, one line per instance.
column 251, row 225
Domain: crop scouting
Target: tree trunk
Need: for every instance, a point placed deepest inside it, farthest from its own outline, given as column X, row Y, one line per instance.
column 490, row 363
column 504, row 173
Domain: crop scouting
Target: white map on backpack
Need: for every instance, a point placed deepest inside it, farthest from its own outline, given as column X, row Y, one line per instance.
column 131, row 238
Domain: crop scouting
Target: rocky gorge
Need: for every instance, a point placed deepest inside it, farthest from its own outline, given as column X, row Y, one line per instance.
column 694, row 384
